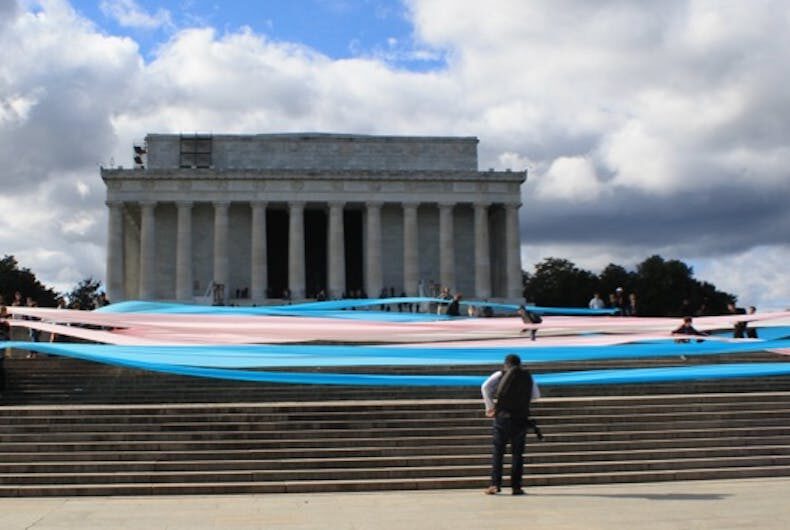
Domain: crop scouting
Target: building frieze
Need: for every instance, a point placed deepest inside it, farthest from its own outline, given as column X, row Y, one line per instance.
column 301, row 174
column 277, row 186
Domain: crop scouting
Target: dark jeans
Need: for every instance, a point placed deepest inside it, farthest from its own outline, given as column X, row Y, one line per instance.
column 514, row 431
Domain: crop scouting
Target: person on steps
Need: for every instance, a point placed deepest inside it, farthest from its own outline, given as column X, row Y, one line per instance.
column 507, row 394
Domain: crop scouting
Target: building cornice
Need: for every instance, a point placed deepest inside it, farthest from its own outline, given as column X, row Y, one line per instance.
column 309, row 174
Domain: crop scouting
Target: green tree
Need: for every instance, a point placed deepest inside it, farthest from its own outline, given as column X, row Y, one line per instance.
column 614, row 276
column 13, row 279
column 669, row 288
column 662, row 287
column 560, row 283
column 84, row 295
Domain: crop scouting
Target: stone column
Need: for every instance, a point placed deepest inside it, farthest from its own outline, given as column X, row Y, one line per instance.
column 513, row 251
column 373, row 250
column 336, row 251
column 411, row 252
column 131, row 258
column 184, row 251
column 446, row 246
column 296, row 250
column 482, row 252
column 221, row 247
column 147, row 251
column 258, row 273
column 114, row 281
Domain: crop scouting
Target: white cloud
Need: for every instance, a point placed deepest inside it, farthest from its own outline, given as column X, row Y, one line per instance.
column 514, row 161
column 641, row 160
column 78, row 225
column 15, row 108
column 758, row 275
column 130, row 14
column 569, row 178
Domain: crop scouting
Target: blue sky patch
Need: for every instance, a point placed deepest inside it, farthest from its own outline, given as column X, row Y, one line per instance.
column 339, row 29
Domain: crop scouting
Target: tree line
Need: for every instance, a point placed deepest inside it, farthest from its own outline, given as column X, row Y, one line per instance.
column 663, row 287
column 14, row 278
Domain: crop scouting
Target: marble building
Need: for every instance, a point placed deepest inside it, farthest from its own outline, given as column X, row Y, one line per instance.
column 249, row 216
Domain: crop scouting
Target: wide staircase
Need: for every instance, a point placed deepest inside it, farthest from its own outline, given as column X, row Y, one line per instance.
column 69, row 427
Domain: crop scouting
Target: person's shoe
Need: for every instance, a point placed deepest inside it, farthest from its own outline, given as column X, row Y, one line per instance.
column 518, row 491
column 492, row 490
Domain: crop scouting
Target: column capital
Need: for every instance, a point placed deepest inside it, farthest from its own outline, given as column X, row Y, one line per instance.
column 481, row 205
column 148, row 204
column 515, row 205
column 114, row 203
column 258, row 204
column 220, row 204
column 410, row 204
column 336, row 204
column 373, row 204
column 444, row 205
column 184, row 204
column 296, row 205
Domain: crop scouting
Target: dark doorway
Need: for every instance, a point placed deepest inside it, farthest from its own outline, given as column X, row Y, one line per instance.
column 315, row 227
column 276, row 252
column 352, row 228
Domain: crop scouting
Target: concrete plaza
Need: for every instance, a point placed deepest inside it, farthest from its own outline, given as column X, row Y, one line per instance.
column 748, row 503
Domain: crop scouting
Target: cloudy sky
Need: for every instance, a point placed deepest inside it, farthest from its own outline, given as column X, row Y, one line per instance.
column 646, row 127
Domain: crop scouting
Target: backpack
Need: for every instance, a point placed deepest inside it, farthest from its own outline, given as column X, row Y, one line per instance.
column 534, row 317
column 514, row 392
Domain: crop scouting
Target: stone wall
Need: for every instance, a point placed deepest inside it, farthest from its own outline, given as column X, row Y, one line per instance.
column 323, row 152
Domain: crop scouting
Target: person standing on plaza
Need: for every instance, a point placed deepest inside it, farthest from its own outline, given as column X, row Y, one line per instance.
column 631, row 307
column 514, row 390
column 751, row 332
column 454, row 309
column 687, row 328
column 5, row 335
column 619, row 301
column 596, row 302
column 441, row 307
column 531, row 320
column 739, row 328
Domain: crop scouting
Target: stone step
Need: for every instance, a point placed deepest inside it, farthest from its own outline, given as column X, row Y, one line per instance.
column 437, row 411
column 56, row 380
column 48, row 396
column 358, row 460
column 317, row 486
column 546, row 412
column 393, row 472
column 616, row 404
column 371, row 422
column 393, row 428
column 292, row 440
column 480, row 445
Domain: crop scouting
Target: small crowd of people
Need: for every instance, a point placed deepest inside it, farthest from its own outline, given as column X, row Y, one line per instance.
column 626, row 306
column 449, row 304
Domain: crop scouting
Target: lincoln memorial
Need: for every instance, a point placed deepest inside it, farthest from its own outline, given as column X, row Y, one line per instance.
column 251, row 216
